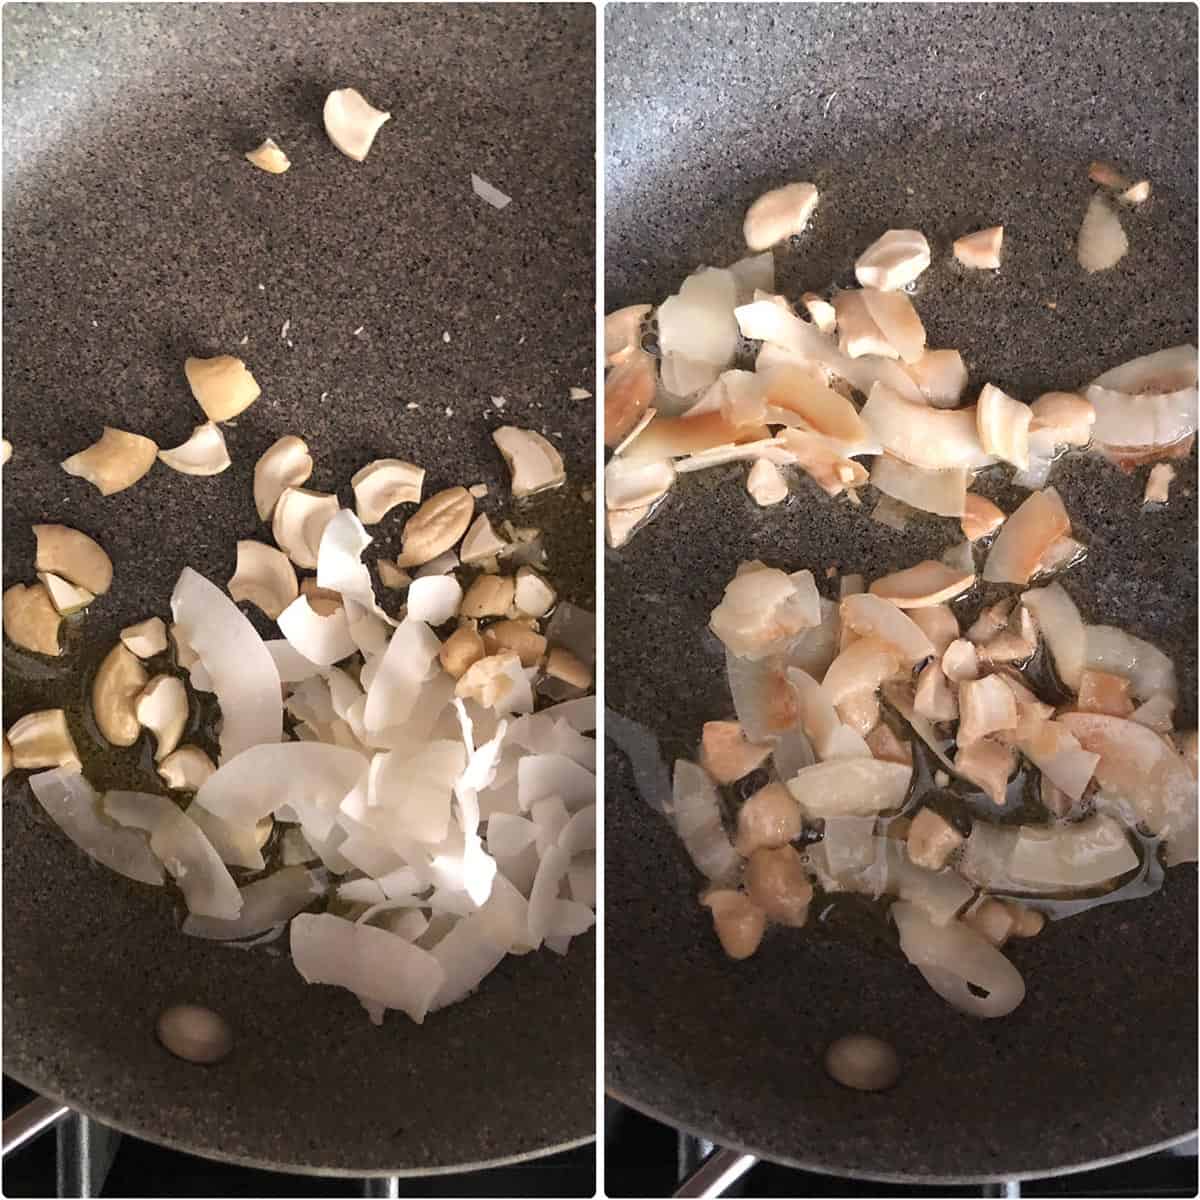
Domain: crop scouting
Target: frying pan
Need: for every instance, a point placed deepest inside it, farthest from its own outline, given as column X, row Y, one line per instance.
column 945, row 119
column 136, row 234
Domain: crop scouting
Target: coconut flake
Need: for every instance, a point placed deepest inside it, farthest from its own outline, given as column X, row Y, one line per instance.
column 1102, row 242
column 487, row 193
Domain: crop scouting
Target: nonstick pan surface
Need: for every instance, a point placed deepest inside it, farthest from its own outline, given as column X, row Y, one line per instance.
column 947, row 119
column 136, row 234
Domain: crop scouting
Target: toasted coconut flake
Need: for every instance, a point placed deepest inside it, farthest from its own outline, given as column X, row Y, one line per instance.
column 535, row 464
column 675, row 437
column 824, row 460
column 264, row 577
column 622, row 332
column 892, row 513
column 1003, row 426
column 980, row 251
column 941, row 376
column 893, row 260
column 960, row 661
column 269, row 157
column 824, row 411
column 941, row 492
column 636, row 483
column 1158, row 484
column 383, row 484
column 629, row 390
column 871, row 616
column 697, row 325
column 31, row 620
column 285, row 464
column 980, row 517
column 927, row 583
column 299, row 521
column 1158, row 713
column 204, row 453
column 117, row 461
column 861, row 667
column 351, row 122
column 1016, row 643
column 938, row 623
column 727, row 754
column 42, row 739
column 1103, row 692
column 222, row 386
column 621, row 524
column 858, row 332
column 766, row 484
column 897, row 319
column 988, row 764
column 779, row 214
column 1102, row 242
column 1062, row 629
column 823, row 314
column 763, row 609
column 925, row 437
column 1066, row 416
column 1024, row 538
column 1149, row 670
column 850, row 787
column 935, row 699
column 985, row 706
column 1148, row 401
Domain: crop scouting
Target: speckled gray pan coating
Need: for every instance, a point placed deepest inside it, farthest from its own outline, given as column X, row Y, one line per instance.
column 945, row 119
column 136, row 234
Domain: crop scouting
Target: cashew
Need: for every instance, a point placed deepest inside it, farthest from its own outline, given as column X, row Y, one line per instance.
column 622, row 331
column 1027, row 922
column 204, row 453
column 766, row 483
column 222, row 386
column 562, row 664
column 535, row 464
column 7, row 757
column 460, row 651
column 993, row 919
column 526, row 643
column 1136, row 194
column 858, row 333
column 42, row 739
column 488, row 596
column 264, row 577
column 778, row 214
column 636, row 483
column 727, row 754
column 862, row 1062
column 769, row 818
column 980, row 251
column 739, row 922
column 115, row 691
column 352, row 123
column 391, row 576
column 299, row 521
column 893, row 260
column 65, row 597
column 74, row 556
column 778, row 884
column 321, row 600
column 620, row 524
column 931, row 840
column 117, row 461
column 286, row 463
column 436, row 526
column 383, row 484
column 162, row 708
column 481, row 542
column 268, row 157
column 31, row 620
column 487, row 681
column 147, row 638
column 5, row 450
column 534, row 596
column 185, row 769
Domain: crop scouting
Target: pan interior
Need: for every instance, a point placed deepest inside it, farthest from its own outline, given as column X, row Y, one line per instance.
column 136, row 234
column 945, row 119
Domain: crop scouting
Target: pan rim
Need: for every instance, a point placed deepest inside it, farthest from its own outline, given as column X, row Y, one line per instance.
column 263, row 1164
column 838, row 1171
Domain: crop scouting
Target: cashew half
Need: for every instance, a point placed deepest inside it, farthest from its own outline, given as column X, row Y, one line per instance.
column 115, row 691
column 299, row 521
column 268, row 157
column 535, row 464
column 204, row 453
column 352, row 123
column 286, row 463
column 147, row 638
column 74, row 556
column 42, row 739
column 383, row 484
column 222, row 386
column 185, row 769
column 534, row 596
column 117, row 461
column 480, row 541
column 264, row 577
column 65, row 596
column 31, row 620
column 162, row 708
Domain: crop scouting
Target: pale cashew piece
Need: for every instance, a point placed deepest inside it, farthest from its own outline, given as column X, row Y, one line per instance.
column 779, row 214
column 352, row 123
column 115, row 691
column 42, row 739
column 162, row 707
column 286, row 463
column 264, row 577
column 488, row 681
column 980, row 251
column 117, row 461
column 5, row 450
column 460, row 651
column 893, row 260
column 222, row 386
column 562, row 664
column 931, row 840
column 269, row 157
column 488, row 596
column 535, row 464
column 74, row 556
column 738, row 922
column 383, row 484
column 299, row 521
column 31, row 620
column 481, row 541
column 185, row 769
column 766, row 483
column 823, row 314
column 534, row 596
column 436, row 526
column 204, row 453
column 65, row 596
column 147, row 638
column 526, row 643
column 391, row 576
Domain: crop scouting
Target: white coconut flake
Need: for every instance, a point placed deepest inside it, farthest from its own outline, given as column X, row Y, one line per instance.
column 487, row 193
column 266, row 903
